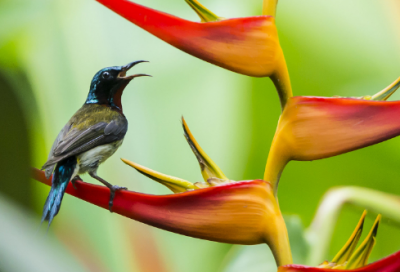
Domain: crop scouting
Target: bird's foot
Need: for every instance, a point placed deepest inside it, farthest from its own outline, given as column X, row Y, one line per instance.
column 113, row 189
column 73, row 181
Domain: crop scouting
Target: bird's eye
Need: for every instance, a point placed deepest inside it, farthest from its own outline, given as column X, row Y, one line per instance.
column 106, row 75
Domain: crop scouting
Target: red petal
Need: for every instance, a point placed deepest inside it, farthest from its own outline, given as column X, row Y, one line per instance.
column 388, row 264
column 245, row 45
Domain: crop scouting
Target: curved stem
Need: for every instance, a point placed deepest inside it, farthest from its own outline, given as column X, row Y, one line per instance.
column 281, row 250
column 321, row 229
column 281, row 79
column 387, row 92
column 278, row 157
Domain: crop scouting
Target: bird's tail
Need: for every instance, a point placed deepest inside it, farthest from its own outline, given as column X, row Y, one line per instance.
column 61, row 177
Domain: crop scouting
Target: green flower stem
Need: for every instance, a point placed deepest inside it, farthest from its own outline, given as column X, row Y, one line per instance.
column 321, row 229
column 269, row 7
column 387, row 92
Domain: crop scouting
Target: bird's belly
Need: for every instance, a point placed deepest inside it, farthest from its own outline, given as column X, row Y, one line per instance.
column 91, row 159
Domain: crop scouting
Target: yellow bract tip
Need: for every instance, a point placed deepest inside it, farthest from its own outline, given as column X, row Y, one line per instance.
column 208, row 168
column 344, row 254
column 360, row 257
column 175, row 184
column 204, row 13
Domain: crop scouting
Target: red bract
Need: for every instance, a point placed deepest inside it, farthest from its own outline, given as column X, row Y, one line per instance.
column 243, row 212
column 245, row 45
column 388, row 264
column 312, row 128
column 248, row 46
column 324, row 127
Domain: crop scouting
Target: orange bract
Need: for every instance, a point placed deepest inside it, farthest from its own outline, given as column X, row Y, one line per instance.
column 245, row 45
column 312, row 128
column 243, row 212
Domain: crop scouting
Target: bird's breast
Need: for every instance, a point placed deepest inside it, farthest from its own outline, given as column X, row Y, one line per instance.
column 92, row 158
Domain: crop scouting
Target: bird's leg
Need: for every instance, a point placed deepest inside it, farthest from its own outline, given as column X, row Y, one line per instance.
column 113, row 188
column 73, row 181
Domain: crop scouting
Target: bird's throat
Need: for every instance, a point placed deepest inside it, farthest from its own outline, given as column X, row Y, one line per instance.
column 116, row 98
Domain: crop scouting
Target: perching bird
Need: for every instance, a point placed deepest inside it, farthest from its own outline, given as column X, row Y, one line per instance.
column 90, row 137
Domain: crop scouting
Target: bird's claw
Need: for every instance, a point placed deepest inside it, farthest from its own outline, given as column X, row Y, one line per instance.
column 73, row 181
column 113, row 189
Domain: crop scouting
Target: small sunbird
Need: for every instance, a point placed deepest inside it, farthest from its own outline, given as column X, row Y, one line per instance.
column 90, row 137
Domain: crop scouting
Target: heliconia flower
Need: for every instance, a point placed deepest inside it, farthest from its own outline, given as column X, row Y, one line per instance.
column 312, row 128
column 248, row 45
column 239, row 212
column 349, row 259
column 218, row 209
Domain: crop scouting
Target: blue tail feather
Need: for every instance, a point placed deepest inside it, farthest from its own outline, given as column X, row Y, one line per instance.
column 61, row 177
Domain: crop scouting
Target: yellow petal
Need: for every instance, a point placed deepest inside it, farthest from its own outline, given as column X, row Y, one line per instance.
column 360, row 257
column 204, row 13
column 208, row 168
column 175, row 184
column 344, row 254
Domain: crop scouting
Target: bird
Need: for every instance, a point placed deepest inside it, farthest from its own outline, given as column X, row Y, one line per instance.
column 90, row 137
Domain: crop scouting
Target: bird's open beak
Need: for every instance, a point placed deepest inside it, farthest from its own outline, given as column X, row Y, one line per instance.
column 124, row 69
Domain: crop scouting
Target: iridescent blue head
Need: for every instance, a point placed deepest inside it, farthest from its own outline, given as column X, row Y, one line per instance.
column 109, row 83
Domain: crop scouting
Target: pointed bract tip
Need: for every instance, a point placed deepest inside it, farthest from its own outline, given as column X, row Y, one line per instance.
column 361, row 255
column 209, row 169
column 204, row 13
column 347, row 250
column 176, row 185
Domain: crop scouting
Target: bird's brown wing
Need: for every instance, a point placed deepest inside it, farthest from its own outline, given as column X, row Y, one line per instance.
column 77, row 141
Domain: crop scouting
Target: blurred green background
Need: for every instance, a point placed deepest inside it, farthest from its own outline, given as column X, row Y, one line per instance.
column 49, row 51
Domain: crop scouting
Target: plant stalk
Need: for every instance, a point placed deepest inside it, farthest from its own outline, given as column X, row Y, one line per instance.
column 320, row 232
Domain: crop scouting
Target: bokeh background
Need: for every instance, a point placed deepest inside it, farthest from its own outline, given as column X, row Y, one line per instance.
column 49, row 51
